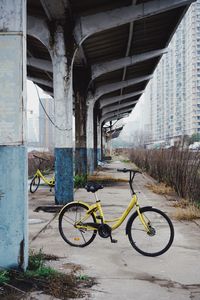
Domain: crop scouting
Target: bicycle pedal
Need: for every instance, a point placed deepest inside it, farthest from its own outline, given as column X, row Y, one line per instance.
column 113, row 241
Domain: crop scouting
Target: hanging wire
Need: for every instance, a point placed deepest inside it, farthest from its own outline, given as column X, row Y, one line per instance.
column 56, row 126
column 52, row 122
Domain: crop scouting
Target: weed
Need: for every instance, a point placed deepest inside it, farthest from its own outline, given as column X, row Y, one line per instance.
column 125, row 160
column 83, row 277
column 4, row 276
column 40, row 277
column 36, row 260
column 42, row 271
column 80, row 181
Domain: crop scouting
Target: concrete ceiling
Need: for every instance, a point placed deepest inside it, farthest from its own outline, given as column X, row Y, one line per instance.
column 120, row 42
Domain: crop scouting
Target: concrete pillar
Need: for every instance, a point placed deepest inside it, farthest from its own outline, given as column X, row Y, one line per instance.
column 95, row 115
column 80, row 135
column 90, row 135
column 99, row 141
column 80, row 84
column 62, row 83
column 13, row 151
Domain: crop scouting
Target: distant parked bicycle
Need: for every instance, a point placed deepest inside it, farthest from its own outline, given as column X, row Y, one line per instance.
column 35, row 182
column 150, row 231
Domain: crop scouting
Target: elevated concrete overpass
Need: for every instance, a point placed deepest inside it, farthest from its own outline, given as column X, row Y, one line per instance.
column 95, row 58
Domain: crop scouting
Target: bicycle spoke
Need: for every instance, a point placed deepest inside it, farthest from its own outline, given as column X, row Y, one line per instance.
column 157, row 239
column 72, row 215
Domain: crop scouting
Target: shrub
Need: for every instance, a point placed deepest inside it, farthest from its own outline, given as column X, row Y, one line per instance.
column 178, row 168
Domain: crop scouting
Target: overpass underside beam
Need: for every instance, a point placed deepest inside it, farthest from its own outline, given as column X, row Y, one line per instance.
column 13, row 152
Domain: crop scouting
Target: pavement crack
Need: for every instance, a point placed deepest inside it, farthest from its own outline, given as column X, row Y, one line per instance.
column 169, row 284
column 196, row 223
column 43, row 228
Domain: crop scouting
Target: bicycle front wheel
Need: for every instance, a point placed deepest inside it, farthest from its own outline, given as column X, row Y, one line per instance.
column 69, row 217
column 160, row 236
column 34, row 184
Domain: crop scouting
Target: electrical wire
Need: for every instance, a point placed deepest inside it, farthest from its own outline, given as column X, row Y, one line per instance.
column 56, row 126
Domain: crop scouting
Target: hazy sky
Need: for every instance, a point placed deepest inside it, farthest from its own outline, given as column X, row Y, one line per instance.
column 132, row 122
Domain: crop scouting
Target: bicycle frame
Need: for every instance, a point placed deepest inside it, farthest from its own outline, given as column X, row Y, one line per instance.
column 96, row 207
column 39, row 174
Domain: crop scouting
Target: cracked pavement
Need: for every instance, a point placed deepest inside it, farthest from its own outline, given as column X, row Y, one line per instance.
column 121, row 272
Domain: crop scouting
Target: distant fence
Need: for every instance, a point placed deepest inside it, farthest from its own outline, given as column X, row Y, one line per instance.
column 178, row 168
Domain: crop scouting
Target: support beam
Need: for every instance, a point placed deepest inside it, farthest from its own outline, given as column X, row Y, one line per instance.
column 37, row 28
column 103, row 68
column 41, row 81
column 41, row 64
column 111, row 117
column 55, row 10
column 118, row 107
column 13, row 126
column 63, row 100
column 111, row 100
column 118, row 85
column 92, row 24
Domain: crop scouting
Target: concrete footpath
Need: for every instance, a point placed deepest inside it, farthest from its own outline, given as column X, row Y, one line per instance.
column 122, row 273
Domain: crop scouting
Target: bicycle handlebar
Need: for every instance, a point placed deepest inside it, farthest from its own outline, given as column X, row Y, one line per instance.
column 124, row 170
column 40, row 157
column 131, row 176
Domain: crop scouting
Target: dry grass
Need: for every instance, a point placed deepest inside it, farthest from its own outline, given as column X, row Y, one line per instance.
column 185, row 210
column 160, row 188
column 100, row 178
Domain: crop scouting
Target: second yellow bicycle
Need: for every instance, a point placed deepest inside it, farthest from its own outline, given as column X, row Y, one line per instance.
column 35, row 182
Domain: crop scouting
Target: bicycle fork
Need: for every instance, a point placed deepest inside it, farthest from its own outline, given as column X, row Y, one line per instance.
column 146, row 225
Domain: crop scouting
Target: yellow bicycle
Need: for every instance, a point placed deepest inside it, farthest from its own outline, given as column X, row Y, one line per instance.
column 35, row 182
column 150, row 231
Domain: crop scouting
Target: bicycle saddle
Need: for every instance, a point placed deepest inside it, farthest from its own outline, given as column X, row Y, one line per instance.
column 93, row 187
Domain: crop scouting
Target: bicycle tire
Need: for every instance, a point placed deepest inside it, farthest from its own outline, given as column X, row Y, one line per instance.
column 67, row 218
column 162, row 232
column 35, row 182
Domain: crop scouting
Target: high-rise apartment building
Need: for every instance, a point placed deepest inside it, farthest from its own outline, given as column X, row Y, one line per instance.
column 174, row 91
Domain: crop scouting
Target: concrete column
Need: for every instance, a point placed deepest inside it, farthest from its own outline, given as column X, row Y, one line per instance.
column 80, row 84
column 62, row 83
column 13, row 151
column 95, row 114
column 99, row 141
column 90, row 135
column 80, row 135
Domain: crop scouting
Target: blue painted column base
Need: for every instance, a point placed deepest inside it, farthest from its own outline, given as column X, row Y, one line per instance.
column 64, row 187
column 13, row 207
column 90, row 160
column 81, row 161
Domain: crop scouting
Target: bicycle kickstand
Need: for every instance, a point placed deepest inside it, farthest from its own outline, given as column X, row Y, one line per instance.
column 112, row 240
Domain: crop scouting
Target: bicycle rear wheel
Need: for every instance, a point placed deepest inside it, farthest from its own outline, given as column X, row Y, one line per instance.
column 34, row 184
column 160, row 237
column 68, row 218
